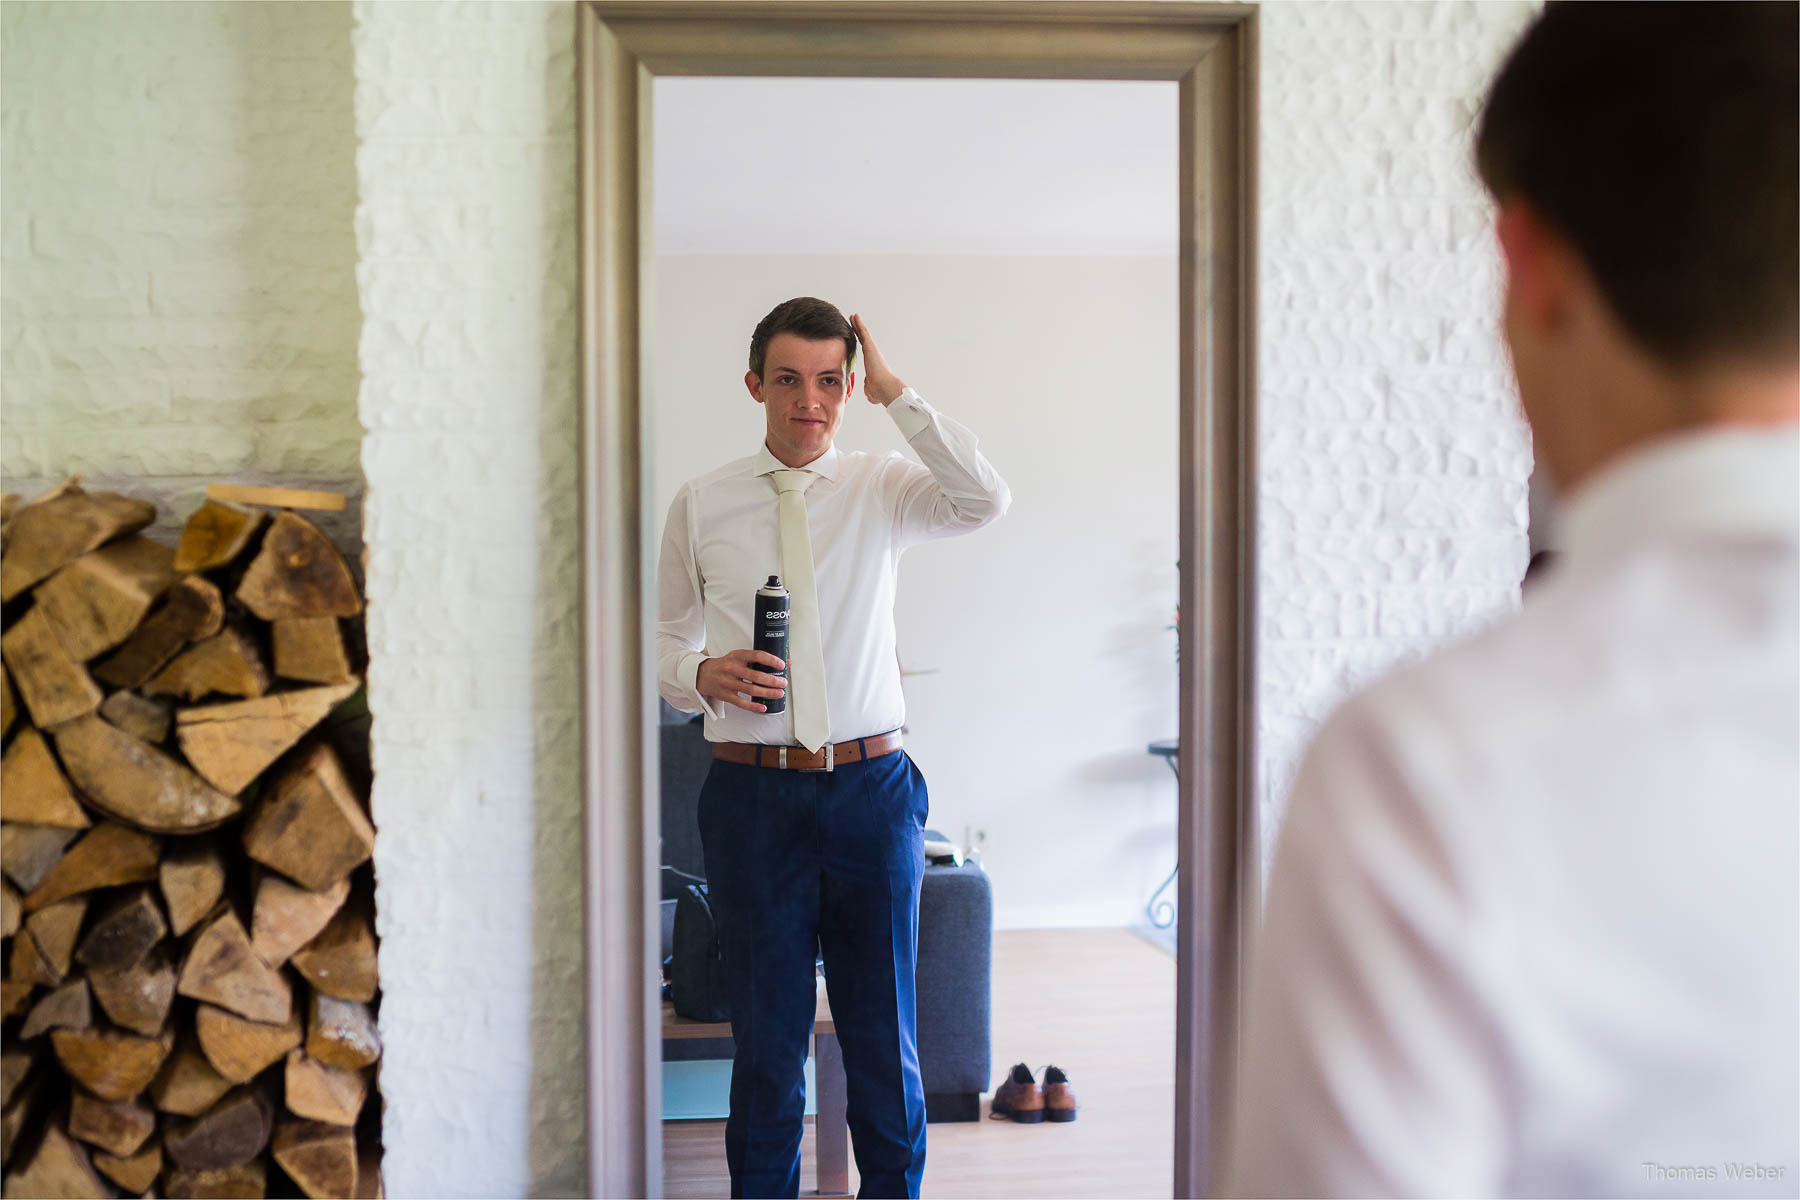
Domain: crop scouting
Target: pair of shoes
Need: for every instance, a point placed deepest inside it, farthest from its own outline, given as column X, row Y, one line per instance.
column 1021, row 1099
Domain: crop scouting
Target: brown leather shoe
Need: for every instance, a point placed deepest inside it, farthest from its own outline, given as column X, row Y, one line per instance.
column 1019, row 1098
column 1059, row 1098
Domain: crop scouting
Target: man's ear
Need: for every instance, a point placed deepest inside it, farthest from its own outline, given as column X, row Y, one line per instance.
column 753, row 381
column 1538, row 265
column 849, row 383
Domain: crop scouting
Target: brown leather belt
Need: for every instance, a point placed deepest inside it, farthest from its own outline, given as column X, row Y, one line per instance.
column 799, row 758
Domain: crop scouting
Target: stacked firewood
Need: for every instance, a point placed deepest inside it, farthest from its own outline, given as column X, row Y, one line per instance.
column 190, row 959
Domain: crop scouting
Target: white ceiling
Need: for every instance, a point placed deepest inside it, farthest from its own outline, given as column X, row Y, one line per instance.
column 912, row 166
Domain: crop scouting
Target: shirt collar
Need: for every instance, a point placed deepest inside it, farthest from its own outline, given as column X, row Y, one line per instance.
column 1743, row 482
column 825, row 466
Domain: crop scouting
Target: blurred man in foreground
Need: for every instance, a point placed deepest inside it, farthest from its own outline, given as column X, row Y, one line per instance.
column 1532, row 923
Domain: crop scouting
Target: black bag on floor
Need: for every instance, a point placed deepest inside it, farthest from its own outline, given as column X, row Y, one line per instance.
column 697, row 968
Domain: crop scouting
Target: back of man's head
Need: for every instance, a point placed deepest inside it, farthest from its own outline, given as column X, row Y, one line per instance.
column 1661, row 140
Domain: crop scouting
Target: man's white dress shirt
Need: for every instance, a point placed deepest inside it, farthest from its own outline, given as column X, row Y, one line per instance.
column 722, row 542
column 1532, row 927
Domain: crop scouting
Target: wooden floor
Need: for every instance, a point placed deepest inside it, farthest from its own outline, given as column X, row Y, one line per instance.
column 1100, row 1004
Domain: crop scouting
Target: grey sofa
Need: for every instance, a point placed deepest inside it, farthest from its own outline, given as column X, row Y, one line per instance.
column 956, row 934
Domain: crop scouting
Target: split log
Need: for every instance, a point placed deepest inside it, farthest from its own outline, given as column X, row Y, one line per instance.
column 287, row 916
column 28, row 853
column 320, row 1158
column 139, row 716
column 215, row 535
column 229, row 1134
column 231, row 744
column 15, row 995
column 247, row 1182
column 66, row 1007
column 34, row 787
column 277, row 497
column 54, row 686
column 108, row 855
column 10, row 910
column 321, row 1092
column 137, row 997
column 227, row 663
column 341, row 960
column 239, row 1050
column 96, row 601
column 118, row 1127
column 16, row 1062
column 187, row 1085
column 112, row 1064
column 17, row 1111
column 341, row 1033
column 222, row 969
column 310, row 827
column 192, row 611
column 135, row 1173
column 311, row 649
column 59, row 1168
column 9, row 703
column 192, row 876
column 124, row 932
column 59, row 527
column 27, row 964
column 134, row 781
column 54, row 928
column 298, row 573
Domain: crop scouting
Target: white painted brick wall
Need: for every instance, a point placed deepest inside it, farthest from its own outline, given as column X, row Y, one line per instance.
column 180, row 306
column 1394, row 460
column 466, row 229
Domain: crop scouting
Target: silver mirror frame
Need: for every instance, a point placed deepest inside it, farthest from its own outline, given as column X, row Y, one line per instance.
column 1210, row 51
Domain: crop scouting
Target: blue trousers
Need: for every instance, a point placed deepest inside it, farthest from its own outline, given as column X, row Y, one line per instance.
column 800, row 864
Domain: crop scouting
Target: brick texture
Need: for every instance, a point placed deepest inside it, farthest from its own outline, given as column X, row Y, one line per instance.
column 466, row 235
column 1394, row 460
column 180, row 301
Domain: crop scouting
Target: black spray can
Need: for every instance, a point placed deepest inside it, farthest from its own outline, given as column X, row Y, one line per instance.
column 772, row 632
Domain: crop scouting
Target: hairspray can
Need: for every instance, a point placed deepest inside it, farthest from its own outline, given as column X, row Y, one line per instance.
column 772, row 632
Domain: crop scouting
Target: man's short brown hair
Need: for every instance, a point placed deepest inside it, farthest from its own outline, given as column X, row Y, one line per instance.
column 1660, row 139
column 807, row 317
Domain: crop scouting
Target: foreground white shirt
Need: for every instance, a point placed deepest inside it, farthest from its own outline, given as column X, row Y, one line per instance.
column 722, row 541
column 1532, row 924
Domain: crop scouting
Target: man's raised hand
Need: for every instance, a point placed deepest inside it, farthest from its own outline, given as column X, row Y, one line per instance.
column 736, row 677
column 880, row 384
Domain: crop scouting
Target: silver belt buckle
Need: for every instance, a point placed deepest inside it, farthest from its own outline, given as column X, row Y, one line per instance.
column 830, row 761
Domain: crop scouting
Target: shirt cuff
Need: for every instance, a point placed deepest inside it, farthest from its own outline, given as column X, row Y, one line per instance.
column 687, row 674
column 910, row 413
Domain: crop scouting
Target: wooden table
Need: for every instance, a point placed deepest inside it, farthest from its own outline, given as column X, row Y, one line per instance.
column 831, row 1136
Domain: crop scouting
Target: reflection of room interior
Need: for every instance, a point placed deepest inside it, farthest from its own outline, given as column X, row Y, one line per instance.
column 1033, row 308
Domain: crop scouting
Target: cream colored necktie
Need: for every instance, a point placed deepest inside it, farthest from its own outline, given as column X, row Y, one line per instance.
column 806, row 646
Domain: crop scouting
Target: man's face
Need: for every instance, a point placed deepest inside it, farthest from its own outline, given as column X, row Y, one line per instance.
column 802, row 390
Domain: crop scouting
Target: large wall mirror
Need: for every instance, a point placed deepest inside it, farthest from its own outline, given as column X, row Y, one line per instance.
column 1044, row 213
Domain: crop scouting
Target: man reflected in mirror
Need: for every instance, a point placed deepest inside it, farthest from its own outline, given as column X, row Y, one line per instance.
column 811, row 816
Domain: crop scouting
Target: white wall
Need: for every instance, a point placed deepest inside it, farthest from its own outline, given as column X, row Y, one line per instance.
column 1394, row 458
column 1053, row 667
column 176, row 184
column 466, row 232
